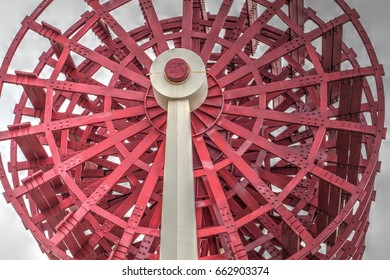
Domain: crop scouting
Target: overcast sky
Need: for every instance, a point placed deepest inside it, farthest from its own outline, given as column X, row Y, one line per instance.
column 17, row 243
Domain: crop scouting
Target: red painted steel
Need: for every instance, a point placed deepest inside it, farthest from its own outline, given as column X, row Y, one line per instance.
column 176, row 70
column 286, row 143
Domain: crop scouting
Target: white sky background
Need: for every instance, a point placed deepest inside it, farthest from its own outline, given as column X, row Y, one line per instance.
column 17, row 243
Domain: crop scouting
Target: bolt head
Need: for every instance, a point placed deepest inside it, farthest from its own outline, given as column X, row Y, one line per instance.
column 177, row 70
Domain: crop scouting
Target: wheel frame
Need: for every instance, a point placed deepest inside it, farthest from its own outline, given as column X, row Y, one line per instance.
column 228, row 229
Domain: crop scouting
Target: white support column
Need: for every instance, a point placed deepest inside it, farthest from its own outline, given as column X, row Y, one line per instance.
column 178, row 235
column 179, row 82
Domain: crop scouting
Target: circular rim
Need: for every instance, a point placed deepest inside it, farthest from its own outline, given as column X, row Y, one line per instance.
column 272, row 165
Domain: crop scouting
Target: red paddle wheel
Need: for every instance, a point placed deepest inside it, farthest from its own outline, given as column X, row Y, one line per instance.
column 285, row 145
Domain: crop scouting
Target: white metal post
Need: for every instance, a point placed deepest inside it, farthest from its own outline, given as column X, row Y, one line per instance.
column 179, row 82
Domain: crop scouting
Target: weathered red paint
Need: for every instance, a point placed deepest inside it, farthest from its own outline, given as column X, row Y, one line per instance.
column 176, row 70
column 286, row 143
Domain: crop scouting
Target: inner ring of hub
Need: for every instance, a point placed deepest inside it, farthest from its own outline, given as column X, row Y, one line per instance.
column 179, row 74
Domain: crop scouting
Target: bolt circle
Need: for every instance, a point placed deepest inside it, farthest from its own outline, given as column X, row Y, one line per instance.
column 158, row 115
column 177, row 70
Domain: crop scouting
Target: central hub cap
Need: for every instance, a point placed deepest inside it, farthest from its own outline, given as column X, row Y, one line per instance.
column 179, row 74
column 177, row 70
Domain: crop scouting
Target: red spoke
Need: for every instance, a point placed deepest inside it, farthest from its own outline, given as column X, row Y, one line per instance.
column 106, row 185
column 279, row 52
column 129, row 42
column 285, row 154
column 215, row 29
column 187, row 21
column 82, row 157
column 217, row 195
column 25, row 80
column 300, row 118
column 73, row 122
column 89, row 54
column 243, row 167
column 249, row 33
column 141, row 203
column 151, row 19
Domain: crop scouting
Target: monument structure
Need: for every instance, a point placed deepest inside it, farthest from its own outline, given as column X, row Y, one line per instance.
column 248, row 133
